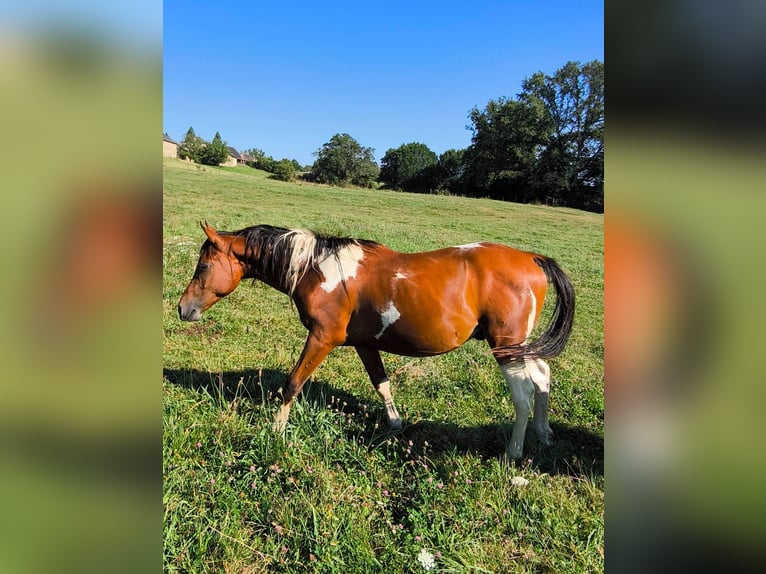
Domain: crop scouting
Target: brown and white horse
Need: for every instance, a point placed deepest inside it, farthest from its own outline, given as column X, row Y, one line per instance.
column 359, row 293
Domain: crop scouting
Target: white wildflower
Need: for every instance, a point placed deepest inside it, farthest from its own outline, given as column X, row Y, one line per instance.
column 519, row 481
column 426, row 559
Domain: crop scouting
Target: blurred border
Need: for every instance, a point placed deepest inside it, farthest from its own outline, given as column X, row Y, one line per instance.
column 685, row 176
column 81, row 347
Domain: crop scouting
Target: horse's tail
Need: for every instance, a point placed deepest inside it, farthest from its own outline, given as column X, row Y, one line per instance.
column 552, row 341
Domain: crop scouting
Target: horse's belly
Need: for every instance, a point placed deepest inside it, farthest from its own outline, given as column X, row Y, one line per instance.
column 400, row 340
column 415, row 322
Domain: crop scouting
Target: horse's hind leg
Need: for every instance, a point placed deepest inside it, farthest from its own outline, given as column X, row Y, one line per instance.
column 522, row 392
column 540, row 373
column 528, row 380
column 373, row 364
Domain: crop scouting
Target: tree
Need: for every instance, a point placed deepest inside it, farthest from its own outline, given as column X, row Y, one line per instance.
column 573, row 162
column 508, row 136
column 548, row 143
column 256, row 156
column 449, row 170
column 344, row 161
column 191, row 147
column 216, row 152
column 284, row 170
column 404, row 167
column 267, row 163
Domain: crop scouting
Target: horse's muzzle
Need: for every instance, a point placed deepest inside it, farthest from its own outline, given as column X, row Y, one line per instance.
column 189, row 313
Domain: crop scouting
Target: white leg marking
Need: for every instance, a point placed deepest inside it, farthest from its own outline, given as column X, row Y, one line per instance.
column 540, row 373
column 388, row 317
column 280, row 421
column 394, row 420
column 335, row 270
column 522, row 390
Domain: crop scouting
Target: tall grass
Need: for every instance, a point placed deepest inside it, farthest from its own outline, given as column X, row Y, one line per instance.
column 337, row 492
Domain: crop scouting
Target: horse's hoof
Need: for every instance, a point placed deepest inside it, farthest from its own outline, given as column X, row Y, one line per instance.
column 545, row 440
column 545, row 436
column 512, row 455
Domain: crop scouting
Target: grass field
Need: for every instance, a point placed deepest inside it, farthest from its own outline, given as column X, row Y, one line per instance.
column 337, row 492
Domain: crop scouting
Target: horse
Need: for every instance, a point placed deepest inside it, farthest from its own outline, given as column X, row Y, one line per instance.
column 360, row 293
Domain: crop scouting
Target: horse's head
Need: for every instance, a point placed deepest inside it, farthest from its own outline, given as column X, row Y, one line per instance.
column 218, row 273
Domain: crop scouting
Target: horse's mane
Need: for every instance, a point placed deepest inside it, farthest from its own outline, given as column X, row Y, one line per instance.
column 284, row 255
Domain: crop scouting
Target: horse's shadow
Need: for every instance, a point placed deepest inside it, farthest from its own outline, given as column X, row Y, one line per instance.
column 575, row 451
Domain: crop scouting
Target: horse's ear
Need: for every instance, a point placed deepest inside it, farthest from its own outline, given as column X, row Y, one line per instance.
column 213, row 236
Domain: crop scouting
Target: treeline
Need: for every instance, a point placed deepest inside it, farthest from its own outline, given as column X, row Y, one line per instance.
column 546, row 145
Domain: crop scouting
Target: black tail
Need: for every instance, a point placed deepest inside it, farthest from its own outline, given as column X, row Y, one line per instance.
column 552, row 341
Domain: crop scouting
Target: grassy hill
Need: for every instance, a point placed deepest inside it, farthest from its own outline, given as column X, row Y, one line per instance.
column 338, row 493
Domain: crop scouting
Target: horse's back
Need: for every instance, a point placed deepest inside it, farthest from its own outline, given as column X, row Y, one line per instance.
column 514, row 268
column 477, row 267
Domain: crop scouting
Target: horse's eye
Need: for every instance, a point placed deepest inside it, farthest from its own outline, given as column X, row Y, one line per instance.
column 200, row 273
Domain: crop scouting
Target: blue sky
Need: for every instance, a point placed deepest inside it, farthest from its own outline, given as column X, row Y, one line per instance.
column 286, row 76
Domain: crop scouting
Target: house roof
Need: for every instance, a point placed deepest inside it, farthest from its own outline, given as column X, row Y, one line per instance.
column 167, row 138
column 233, row 152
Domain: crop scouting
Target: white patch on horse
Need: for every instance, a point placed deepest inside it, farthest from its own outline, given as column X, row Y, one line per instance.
column 388, row 317
column 522, row 393
column 340, row 267
column 468, row 246
column 532, row 312
column 400, row 275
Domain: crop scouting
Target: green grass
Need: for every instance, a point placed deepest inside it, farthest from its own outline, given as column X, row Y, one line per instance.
column 337, row 492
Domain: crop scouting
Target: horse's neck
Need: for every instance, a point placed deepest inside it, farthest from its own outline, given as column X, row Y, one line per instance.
column 277, row 284
column 256, row 270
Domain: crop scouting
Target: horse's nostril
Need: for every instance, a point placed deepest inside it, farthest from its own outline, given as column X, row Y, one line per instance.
column 180, row 312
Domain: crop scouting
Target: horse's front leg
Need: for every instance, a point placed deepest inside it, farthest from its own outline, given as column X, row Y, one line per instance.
column 373, row 364
column 314, row 352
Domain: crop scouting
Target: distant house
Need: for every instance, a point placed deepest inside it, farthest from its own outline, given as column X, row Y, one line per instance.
column 169, row 147
column 234, row 158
